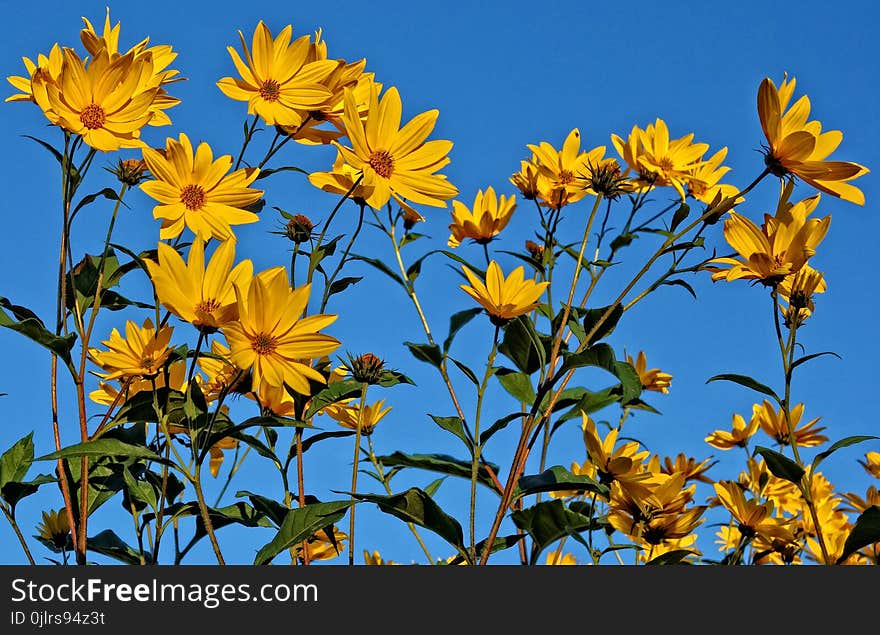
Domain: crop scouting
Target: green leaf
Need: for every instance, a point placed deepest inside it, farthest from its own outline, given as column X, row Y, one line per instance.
column 107, row 543
column 865, row 532
column 780, row 465
column 429, row 353
column 333, row 434
column 55, row 153
column 342, row 284
column 389, row 378
column 415, row 269
column 337, row 391
column 549, row 521
column 16, row 461
column 264, row 172
column 14, row 491
column 678, row 282
column 598, row 355
column 301, row 524
column 500, row 424
column 629, row 380
column 410, row 237
column 415, row 506
column 274, row 511
column 381, row 266
column 557, row 479
column 455, row 426
column 457, row 322
column 466, row 371
column 806, row 358
column 525, row 347
column 107, row 192
column 518, row 385
column 28, row 324
column 623, row 240
column 680, row 215
column 591, row 402
column 434, row 485
column 677, row 556
column 748, row 382
column 499, row 544
column 592, row 317
column 443, row 464
column 843, row 443
column 103, row 447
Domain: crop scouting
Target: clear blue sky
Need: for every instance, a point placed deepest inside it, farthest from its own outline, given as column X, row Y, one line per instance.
column 503, row 75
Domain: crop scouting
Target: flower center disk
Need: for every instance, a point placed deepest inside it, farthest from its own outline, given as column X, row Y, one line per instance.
column 193, row 197
column 382, row 162
column 270, row 90
column 264, row 344
column 92, row 117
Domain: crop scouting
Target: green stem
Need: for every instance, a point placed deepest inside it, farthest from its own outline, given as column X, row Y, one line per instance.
column 11, row 518
column 475, row 460
column 343, row 259
column 354, row 472
column 249, row 133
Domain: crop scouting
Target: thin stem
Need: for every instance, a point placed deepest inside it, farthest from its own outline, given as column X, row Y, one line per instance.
column 206, row 516
column 475, row 460
column 354, row 471
column 301, row 488
column 11, row 518
column 249, row 133
column 343, row 259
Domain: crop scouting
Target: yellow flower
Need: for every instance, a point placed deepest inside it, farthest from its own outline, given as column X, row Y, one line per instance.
column 271, row 339
column 872, row 464
column 322, row 547
column 857, row 504
column 220, row 372
column 528, row 180
column 798, row 290
column 101, row 101
column 341, row 179
column 49, row 66
column 215, row 451
column 559, row 559
column 652, row 379
column 773, row 423
column 738, row 437
column 703, row 182
column 195, row 190
column 658, row 517
column 393, row 161
column 278, row 81
column 753, row 517
column 142, row 353
column 489, row 216
column 173, row 377
column 692, row 470
column 504, row 298
column 55, row 528
column 622, row 465
column 565, row 171
column 154, row 75
column 780, row 247
column 578, row 469
column 658, row 160
column 347, row 414
column 655, row 551
column 375, row 559
column 798, row 147
column 203, row 296
column 784, row 494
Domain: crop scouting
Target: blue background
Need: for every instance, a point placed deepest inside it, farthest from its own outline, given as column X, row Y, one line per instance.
column 503, row 75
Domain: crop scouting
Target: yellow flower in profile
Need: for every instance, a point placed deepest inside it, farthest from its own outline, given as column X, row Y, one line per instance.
column 172, row 376
column 557, row 558
column 489, row 215
column 321, row 547
column 55, row 528
column 393, row 161
column 692, row 469
column 341, row 179
column 346, row 415
column 753, row 517
column 528, row 180
column 798, row 147
column 276, row 78
column 798, row 291
column 220, row 373
column 872, row 464
column 651, row 379
column 49, row 66
column 773, row 423
column 659, row 161
column 101, row 101
column 504, row 298
column 738, row 436
column 703, row 183
column 375, row 559
column 271, row 339
column 564, row 171
column 857, row 504
column 780, row 247
column 196, row 191
column 154, row 75
column 203, row 296
column 141, row 353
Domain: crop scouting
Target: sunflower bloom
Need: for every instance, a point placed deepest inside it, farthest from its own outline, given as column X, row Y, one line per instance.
column 651, row 379
column 703, row 183
column 173, row 376
column 55, row 528
column 220, row 373
column 393, row 161
column 196, row 191
column 528, row 180
column 271, row 339
column 277, row 81
column 203, row 296
column 692, row 469
column 141, row 353
column 564, row 171
column 753, row 518
column 739, row 435
column 504, row 298
column 489, row 215
column 623, row 465
column 871, row 464
column 342, row 179
column 798, row 291
column 780, row 247
column 347, row 415
column 773, row 423
column 100, row 101
column 49, row 66
column 321, row 547
column 798, row 147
